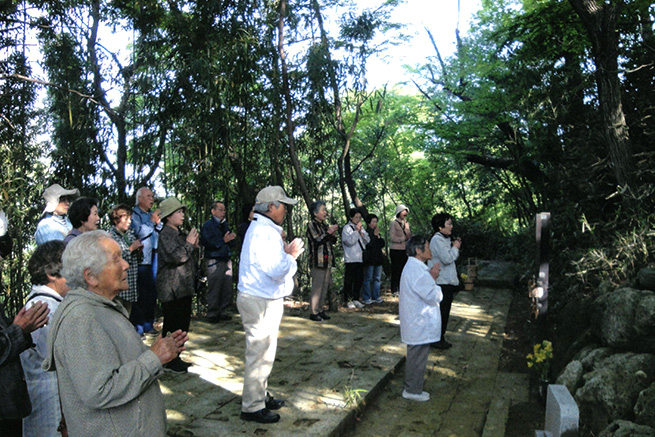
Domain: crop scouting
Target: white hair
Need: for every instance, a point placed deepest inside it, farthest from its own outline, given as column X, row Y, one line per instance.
column 81, row 253
column 139, row 192
column 262, row 208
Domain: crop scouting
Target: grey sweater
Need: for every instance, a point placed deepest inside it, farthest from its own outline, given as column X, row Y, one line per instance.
column 107, row 376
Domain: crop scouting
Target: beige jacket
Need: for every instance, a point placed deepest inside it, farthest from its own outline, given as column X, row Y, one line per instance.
column 399, row 233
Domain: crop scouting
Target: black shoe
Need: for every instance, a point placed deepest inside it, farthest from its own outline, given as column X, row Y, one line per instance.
column 213, row 320
column 272, row 403
column 186, row 363
column 225, row 318
column 443, row 345
column 324, row 316
column 261, row 416
column 175, row 366
column 315, row 318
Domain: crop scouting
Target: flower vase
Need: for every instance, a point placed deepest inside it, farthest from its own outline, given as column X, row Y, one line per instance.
column 543, row 390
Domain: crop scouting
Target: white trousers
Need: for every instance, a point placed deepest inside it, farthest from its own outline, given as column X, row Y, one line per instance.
column 261, row 321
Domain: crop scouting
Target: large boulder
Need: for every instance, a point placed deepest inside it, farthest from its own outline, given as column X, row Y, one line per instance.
column 591, row 355
column 572, row 330
column 625, row 319
column 645, row 407
column 646, row 279
column 624, row 428
column 571, row 376
column 610, row 391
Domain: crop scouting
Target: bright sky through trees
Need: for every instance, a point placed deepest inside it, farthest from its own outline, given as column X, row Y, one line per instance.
column 441, row 17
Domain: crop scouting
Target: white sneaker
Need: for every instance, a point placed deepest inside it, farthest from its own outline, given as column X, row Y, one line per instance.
column 424, row 396
column 368, row 302
column 378, row 300
column 358, row 304
column 351, row 305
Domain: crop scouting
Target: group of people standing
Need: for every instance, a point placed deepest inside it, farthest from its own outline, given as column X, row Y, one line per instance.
column 74, row 362
column 100, row 376
column 423, row 274
column 363, row 254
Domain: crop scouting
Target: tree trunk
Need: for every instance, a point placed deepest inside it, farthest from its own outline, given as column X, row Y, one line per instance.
column 600, row 20
column 300, row 179
column 346, row 182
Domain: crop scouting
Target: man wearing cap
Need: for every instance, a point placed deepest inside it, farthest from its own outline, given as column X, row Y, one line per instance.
column 218, row 241
column 146, row 226
column 265, row 278
column 55, row 225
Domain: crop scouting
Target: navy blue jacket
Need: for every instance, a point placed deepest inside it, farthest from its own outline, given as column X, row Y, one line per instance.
column 211, row 237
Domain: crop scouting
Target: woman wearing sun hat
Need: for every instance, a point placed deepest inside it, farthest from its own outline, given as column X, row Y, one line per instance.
column 399, row 233
column 176, row 273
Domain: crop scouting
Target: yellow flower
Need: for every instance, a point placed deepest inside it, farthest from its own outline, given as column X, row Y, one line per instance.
column 464, row 276
column 540, row 358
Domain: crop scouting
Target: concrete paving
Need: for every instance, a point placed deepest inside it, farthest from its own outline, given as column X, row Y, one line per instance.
column 344, row 376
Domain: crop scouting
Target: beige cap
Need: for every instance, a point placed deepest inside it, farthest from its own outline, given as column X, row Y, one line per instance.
column 274, row 194
column 53, row 193
column 169, row 205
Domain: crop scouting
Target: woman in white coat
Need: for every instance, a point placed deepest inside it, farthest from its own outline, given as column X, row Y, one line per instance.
column 420, row 320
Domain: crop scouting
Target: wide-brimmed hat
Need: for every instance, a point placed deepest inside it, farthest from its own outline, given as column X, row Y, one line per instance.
column 274, row 193
column 400, row 208
column 169, row 205
column 53, row 193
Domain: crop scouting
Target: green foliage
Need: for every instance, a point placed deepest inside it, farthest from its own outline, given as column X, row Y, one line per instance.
column 75, row 120
column 353, row 396
column 619, row 250
column 22, row 175
column 508, row 127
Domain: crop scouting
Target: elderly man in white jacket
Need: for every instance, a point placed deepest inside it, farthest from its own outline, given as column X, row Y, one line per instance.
column 266, row 272
column 420, row 319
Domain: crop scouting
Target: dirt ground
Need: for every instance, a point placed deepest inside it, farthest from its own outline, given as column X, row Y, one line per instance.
column 525, row 417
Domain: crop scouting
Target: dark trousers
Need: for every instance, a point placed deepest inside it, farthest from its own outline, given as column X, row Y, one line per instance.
column 417, row 360
column 398, row 261
column 353, row 278
column 143, row 310
column 177, row 314
column 447, row 302
column 11, row 428
column 219, row 292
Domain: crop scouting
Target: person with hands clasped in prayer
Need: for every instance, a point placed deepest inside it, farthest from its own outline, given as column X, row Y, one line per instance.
column 321, row 238
column 107, row 377
column 218, row 241
column 268, row 265
column 420, row 319
column 399, row 233
column 445, row 252
column 176, row 273
column 354, row 239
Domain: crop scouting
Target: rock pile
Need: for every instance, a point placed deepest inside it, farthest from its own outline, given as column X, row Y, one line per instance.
column 611, row 369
